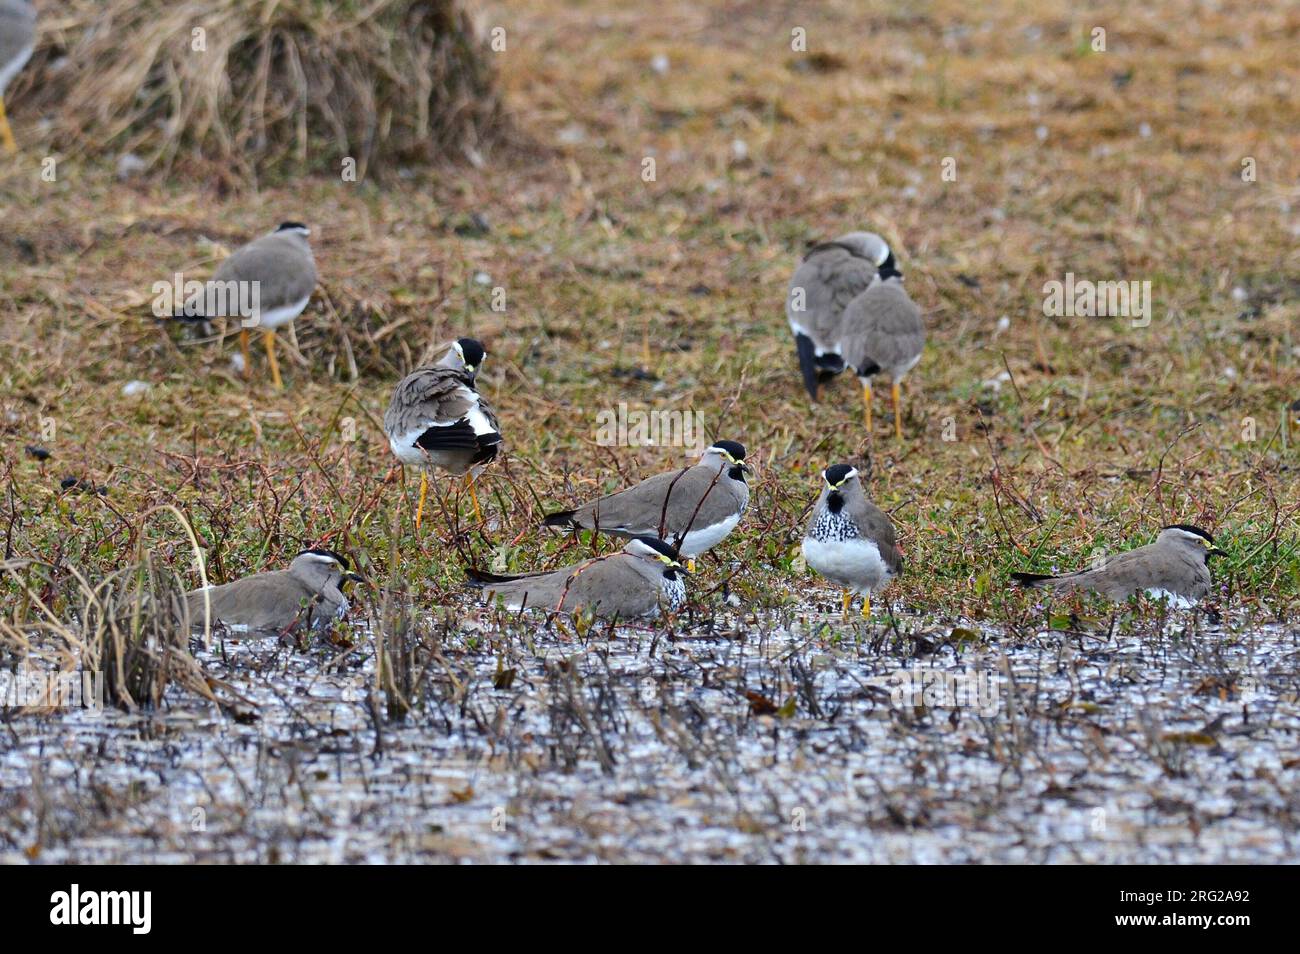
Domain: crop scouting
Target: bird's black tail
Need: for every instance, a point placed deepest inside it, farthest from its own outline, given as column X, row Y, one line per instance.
column 1031, row 580
column 563, row 518
column 480, row 578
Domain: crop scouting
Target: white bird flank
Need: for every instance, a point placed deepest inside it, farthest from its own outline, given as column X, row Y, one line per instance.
column 281, row 316
column 847, row 561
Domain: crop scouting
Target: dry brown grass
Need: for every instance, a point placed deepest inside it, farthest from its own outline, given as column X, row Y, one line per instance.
column 258, row 85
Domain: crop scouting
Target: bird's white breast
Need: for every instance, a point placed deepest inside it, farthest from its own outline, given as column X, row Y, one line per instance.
column 1175, row 600
column 855, row 563
column 697, row 541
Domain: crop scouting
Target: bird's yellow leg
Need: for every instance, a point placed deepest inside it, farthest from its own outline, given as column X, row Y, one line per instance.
column 866, row 606
column 243, row 350
column 473, row 496
column 866, row 403
column 424, row 492
column 848, row 598
column 898, row 411
column 268, row 338
column 6, row 134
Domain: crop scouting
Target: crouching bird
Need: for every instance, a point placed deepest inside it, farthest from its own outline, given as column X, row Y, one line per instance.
column 694, row 508
column 309, row 593
column 1175, row 568
column 437, row 419
column 850, row 540
column 645, row 578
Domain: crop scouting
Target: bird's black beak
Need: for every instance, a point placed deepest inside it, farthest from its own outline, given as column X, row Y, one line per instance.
column 354, row 577
column 807, row 363
column 1215, row 552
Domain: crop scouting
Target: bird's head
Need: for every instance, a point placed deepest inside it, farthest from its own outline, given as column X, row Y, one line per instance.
column 468, row 354
column 730, row 454
column 318, row 567
column 1187, row 536
column 654, row 550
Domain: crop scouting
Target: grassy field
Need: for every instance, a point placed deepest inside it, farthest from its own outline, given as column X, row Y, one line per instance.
column 1031, row 441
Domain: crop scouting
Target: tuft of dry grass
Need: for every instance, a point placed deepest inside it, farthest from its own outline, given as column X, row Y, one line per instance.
column 258, row 85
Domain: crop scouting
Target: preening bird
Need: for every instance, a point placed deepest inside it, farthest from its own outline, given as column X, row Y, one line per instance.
column 881, row 332
column 643, row 579
column 694, row 508
column 1175, row 568
column 830, row 276
column 309, row 592
column 438, row 419
column 850, row 540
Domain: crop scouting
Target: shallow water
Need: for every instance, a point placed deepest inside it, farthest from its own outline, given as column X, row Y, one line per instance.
column 1172, row 743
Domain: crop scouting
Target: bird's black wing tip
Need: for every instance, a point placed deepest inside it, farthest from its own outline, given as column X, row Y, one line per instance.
column 563, row 518
column 1030, row 580
column 480, row 578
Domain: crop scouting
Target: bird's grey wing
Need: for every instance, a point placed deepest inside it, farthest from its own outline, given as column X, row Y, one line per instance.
column 618, row 585
column 284, row 270
column 17, row 33
column 428, row 397
column 264, row 601
column 1117, row 577
column 875, row 523
column 830, row 279
column 542, row 591
column 882, row 327
column 636, row 510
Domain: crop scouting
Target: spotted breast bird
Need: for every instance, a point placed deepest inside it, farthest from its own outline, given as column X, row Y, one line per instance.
column 645, row 578
column 309, row 592
column 1175, row 568
column 850, row 540
column 830, row 276
column 437, row 419
column 694, row 508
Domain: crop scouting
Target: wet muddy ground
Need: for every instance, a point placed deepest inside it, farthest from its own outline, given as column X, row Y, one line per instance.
column 798, row 738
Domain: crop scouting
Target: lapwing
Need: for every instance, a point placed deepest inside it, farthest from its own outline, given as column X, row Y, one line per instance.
column 438, row 419
column 882, row 333
column 277, row 273
column 309, row 593
column 850, row 540
column 643, row 579
column 1174, row 568
column 17, row 42
column 693, row 508
column 831, row 275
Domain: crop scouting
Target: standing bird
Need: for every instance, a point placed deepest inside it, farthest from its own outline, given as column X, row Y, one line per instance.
column 831, row 275
column 1175, row 567
column 882, row 331
column 642, row 579
column 310, row 592
column 694, row 508
column 277, row 273
column 17, row 42
column 438, row 419
column 850, row 540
